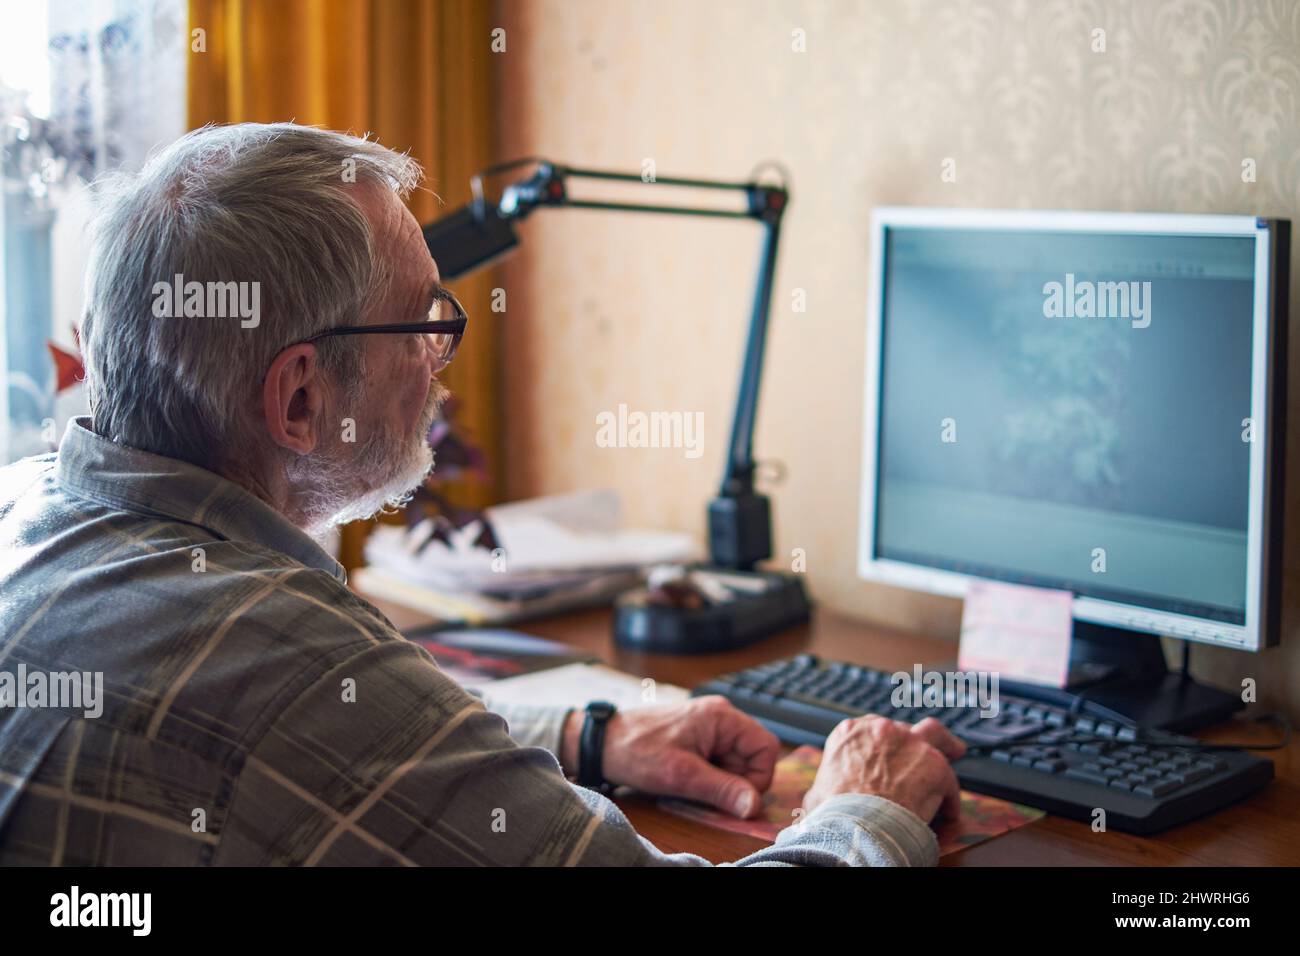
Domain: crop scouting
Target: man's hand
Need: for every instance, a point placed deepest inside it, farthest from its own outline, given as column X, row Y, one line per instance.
column 905, row 763
column 702, row 749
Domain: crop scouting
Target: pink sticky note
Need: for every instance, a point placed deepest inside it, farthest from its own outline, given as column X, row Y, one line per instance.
column 1018, row 632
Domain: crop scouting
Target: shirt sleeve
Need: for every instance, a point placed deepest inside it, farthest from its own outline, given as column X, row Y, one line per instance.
column 530, row 725
column 382, row 759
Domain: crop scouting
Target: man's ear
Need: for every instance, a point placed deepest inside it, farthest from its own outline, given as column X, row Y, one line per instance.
column 292, row 398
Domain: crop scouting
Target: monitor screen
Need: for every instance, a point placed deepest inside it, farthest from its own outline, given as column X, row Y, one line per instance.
column 1070, row 408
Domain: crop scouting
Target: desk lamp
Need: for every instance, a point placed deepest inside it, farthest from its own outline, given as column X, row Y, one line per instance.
column 703, row 608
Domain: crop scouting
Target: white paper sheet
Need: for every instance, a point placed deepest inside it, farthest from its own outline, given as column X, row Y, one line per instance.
column 576, row 685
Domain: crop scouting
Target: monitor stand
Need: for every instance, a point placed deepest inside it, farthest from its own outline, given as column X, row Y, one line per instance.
column 1126, row 671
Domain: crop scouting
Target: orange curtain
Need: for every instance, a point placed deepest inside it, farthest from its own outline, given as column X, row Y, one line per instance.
column 415, row 74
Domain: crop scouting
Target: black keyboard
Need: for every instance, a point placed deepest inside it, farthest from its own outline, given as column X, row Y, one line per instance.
column 1044, row 748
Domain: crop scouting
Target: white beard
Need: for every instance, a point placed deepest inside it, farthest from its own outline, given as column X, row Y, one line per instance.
column 336, row 486
column 391, row 495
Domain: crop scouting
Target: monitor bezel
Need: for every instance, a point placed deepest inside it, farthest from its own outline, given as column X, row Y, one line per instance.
column 1260, row 626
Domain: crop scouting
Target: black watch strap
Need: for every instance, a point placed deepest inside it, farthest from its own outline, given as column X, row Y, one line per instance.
column 591, row 746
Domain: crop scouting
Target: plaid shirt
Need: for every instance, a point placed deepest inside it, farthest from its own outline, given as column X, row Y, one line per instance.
column 255, row 711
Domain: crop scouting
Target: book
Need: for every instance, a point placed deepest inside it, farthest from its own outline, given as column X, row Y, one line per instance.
column 475, row 608
column 475, row 656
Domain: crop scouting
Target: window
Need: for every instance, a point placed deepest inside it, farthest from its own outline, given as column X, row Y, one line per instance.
column 85, row 86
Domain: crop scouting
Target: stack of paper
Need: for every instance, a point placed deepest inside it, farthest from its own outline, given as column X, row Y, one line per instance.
column 576, row 685
column 556, row 552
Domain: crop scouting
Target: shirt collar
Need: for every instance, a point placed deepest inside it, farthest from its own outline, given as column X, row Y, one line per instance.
column 141, row 481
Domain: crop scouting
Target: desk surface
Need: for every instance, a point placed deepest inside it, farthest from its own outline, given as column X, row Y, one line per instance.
column 1263, row 830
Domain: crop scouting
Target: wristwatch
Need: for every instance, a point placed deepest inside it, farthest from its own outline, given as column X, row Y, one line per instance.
column 591, row 746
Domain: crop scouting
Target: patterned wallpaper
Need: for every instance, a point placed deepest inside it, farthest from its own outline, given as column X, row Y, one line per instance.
column 1165, row 105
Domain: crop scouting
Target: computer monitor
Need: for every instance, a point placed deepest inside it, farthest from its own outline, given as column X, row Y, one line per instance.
column 1085, row 401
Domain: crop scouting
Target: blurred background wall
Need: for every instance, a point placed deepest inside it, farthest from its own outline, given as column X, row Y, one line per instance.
column 864, row 103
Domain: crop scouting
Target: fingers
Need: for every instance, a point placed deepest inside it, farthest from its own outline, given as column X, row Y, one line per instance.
column 697, row 779
column 742, row 745
column 747, row 753
column 951, row 807
column 940, row 738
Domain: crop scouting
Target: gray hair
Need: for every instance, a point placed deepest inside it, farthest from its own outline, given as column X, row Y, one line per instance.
column 253, row 203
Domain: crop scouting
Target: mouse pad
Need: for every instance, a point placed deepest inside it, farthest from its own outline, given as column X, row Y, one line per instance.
column 982, row 818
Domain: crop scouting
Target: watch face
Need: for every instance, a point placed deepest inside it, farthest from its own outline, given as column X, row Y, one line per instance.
column 601, row 708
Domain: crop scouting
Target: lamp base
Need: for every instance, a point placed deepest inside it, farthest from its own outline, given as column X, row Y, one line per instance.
column 776, row 601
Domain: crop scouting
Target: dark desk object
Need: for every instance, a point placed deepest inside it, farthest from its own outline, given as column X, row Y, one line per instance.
column 1263, row 830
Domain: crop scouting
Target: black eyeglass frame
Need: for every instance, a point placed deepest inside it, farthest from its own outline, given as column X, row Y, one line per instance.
column 454, row 326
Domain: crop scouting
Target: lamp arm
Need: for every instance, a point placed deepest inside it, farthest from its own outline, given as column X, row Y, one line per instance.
column 549, row 187
column 739, row 519
column 739, row 475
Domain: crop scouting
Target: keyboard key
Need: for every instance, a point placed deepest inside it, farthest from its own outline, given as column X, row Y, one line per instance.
column 1156, row 788
column 1078, row 773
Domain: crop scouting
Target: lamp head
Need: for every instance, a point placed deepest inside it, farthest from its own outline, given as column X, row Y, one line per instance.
column 479, row 233
column 469, row 238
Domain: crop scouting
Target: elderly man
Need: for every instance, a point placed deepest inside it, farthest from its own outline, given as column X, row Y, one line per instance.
column 253, row 709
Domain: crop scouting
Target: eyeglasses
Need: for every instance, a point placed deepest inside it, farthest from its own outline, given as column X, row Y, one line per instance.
column 446, row 323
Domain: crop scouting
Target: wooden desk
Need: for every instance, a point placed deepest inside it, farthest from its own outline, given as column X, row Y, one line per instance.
column 1262, row 830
